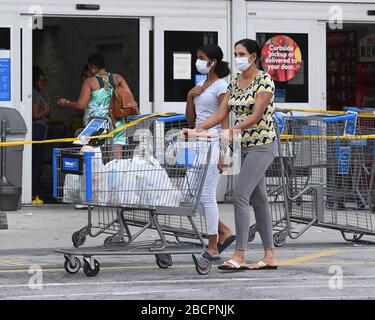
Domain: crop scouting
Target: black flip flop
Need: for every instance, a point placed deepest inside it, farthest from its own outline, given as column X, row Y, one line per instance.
column 210, row 257
column 228, row 241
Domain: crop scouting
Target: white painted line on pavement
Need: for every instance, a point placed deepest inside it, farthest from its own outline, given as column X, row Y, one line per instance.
column 338, row 298
column 278, row 287
column 97, row 294
column 49, row 296
column 200, row 281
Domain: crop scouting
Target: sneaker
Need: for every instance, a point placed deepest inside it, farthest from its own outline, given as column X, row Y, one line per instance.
column 37, row 201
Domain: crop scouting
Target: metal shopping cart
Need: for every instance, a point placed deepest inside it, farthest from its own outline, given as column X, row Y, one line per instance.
column 137, row 190
column 328, row 181
column 141, row 129
column 156, row 133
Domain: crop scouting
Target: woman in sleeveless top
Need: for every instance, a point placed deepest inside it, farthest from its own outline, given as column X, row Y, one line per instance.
column 96, row 95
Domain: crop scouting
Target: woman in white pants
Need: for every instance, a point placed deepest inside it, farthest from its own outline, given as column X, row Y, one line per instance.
column 202, row 102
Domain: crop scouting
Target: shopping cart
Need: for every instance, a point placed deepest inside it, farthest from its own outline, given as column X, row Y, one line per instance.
column 156, row 133
column 328, row 181
column 138, row 190
column 139, row 134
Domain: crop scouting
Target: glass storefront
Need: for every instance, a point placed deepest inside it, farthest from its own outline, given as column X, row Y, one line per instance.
column 351, row 66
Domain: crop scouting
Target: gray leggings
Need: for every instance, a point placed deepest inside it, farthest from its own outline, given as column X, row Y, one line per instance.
column 251, row 188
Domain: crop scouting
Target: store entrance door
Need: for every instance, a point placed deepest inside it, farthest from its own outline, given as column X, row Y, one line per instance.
column 60, row 50
column 293, row 53
column 351, row 66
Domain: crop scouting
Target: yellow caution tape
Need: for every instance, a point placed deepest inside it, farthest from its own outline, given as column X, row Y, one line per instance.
column 135, row 122
column 109, row 135
column 346, row 137
column 329, row 112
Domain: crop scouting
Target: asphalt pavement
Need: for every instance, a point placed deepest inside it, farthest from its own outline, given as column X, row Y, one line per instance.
column 319, row 265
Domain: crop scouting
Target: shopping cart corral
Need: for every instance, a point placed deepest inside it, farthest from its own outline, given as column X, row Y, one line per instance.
column 139, row 192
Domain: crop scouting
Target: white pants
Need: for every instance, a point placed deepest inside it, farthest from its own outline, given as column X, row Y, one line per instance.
column 208, row 203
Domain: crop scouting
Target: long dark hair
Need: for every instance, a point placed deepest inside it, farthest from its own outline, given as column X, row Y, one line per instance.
column 37, row 72
column 213, row 51
column 97, row 60
column 251, row 46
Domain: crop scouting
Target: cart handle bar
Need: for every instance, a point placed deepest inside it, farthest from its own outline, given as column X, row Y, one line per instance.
column 201, row 135
column 350, row 116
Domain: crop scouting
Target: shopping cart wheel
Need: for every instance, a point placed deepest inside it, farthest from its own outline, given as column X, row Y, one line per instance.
column 72, row 268
column 354, row 236
column 88, row 270
column 108, row 241
column 78, row 239
column 372, row 207
column 202, row 265
column 279, row 239
column 164, row 261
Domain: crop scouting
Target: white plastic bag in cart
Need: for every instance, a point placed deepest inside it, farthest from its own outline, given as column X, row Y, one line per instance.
column 74, row 189
column 153, row 180
column 121, row 182
column 99, row 182
column 75, row 185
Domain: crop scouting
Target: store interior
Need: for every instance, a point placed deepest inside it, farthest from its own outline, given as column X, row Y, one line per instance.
column 61, row 50
column 351, row 66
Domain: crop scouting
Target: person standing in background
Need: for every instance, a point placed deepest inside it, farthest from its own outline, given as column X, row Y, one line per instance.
column 85, row 75
column 79, row 124
column 96, row 95
column 41, row 109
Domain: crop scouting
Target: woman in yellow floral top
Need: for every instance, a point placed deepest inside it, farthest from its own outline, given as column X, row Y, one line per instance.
column 250, row 97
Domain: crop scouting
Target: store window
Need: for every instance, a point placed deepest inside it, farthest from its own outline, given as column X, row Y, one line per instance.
column 285, row 58
column 351, row 66
column 5, row 92
column 180, row 74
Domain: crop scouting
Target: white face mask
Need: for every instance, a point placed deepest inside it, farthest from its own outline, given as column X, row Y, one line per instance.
column 201, row 66
column 242, row 63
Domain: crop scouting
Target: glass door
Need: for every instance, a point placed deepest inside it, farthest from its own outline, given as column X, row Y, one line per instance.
column 289, row 54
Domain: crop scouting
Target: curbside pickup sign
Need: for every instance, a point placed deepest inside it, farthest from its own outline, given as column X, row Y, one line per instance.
column 281, row 57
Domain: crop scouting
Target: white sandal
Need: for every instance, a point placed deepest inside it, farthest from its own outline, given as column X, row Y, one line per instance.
column 232, row 265
column 261, row 265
